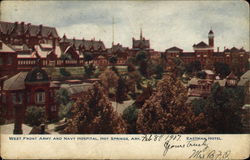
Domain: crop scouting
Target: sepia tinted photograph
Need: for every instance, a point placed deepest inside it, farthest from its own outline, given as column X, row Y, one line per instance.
column 124, row 67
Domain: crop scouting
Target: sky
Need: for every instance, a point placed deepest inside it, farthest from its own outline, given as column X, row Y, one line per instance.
column 165, row 23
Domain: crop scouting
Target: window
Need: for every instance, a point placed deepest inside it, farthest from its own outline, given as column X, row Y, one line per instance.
column 53, row 108
column 4, row 98
column 17, row 98
column 9, row 60
column 1, row 61
column 40, row 97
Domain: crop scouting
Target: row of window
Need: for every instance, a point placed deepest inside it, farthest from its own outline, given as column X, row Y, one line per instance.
column 22, row 62
column 8, row 62
column 17, row 98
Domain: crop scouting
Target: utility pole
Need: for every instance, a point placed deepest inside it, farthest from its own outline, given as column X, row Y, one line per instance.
column 113, row 31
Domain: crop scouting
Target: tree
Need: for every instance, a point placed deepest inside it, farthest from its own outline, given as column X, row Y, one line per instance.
column 143, row 68
column 194, row 66
column 142, row 60
column 63, row 99
column 201, row 74
column 140, row 56
column 62, row 96
column 89, row 70
column 65, row 110
column 130, row 115
column 121, row 92
column 177, row 65
column 113, row 59
column 166, row 111
column 92, row 113
column 66, row 56
column 199, row 105
column 223, row 109
column 222, row 69
column 35, row 115
column 158, row 70
column 109, row 80
column 2, row 114
column 131, row 67
column 88, row 57
column 133, row 80
column 64, row 72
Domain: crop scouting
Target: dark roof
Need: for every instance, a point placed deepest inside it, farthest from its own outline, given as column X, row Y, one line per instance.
column 211, row 32
column 21, row 28
column 242, row 50
column 234, row 49
column 118, row 48
column 16, row 82
column 231, row 76
column 77, row 88
column 174, row 49
column 201, row 45
column 33, row 77
column 141, row 43
column 6, row 48
column 227, row 50
column 84, row 44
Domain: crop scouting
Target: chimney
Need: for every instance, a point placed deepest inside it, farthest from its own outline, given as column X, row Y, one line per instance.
column 54, row 43
column 22, row 27
column 19, row 116
column 15, row 24
column 64, row 37
column 40, row 27
column 218, row 49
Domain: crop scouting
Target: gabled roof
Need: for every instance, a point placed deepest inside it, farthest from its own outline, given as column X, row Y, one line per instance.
column 244, row 78
column 231, row 76
column 33, row 30
column 201, row 45
column 174, row 49
column 6, row 48
column 141, row 43
column 77, row 88
column 84, row 44
column 118, row 48
column 22, row 47
column 32, row 75
column 16, row 82
column 210, row 32
column 234, row 49
column 227, row 50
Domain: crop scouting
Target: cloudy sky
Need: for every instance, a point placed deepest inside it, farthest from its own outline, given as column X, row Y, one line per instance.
column 165, row 23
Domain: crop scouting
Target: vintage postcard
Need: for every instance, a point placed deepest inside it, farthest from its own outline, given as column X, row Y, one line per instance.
column 124, row 80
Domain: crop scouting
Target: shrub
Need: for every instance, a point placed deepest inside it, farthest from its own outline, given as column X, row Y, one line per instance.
column 35, row 115
column 64, row 72
column 130, row 115
column 65, row 110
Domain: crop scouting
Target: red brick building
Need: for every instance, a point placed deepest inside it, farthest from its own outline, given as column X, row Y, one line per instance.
column 205, row 54
column 8, row 60
column 31, row 88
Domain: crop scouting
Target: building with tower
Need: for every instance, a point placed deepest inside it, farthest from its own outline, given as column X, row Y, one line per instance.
column 206, row 55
